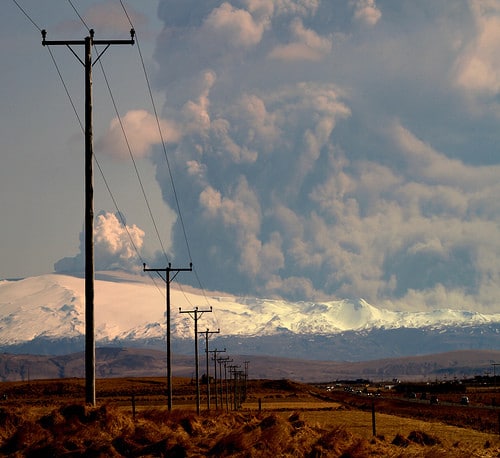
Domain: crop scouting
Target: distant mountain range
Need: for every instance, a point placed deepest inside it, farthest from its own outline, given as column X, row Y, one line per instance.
column 135, row 362
column 45, row 315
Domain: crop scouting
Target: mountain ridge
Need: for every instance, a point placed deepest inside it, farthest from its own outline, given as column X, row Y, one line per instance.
column 47, row 312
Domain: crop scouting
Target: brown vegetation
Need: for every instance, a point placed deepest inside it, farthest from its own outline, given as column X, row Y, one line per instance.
column 48, row 418
column 78, row 431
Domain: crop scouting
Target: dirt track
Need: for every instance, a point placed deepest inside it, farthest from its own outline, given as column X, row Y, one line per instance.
column 480, row 417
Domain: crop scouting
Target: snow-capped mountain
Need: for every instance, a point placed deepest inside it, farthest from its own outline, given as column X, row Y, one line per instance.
column 46, row 314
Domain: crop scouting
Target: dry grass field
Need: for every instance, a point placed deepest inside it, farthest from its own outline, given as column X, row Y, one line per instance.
column 278, row 418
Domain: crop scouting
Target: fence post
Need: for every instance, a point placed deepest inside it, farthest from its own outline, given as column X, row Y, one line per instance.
column 374, row 427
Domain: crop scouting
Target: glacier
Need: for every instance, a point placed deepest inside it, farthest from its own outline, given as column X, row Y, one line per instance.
column 132, row 307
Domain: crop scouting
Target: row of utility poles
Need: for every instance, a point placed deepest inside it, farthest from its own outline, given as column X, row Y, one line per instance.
column 236, row 387
column 167, row 274
column 196, row 314
column 229, row 392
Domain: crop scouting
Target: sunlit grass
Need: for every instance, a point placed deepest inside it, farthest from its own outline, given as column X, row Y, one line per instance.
column 289, row 421
column 106, row 431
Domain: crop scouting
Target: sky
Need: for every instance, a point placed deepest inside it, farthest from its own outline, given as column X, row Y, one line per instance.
column 309, row 149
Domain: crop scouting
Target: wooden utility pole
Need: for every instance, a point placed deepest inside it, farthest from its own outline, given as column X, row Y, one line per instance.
column 207, row 335
column 232, row 376
column 88, row 42
column 196, row 315
column 216, row 352
column 246, row 379
column 224, row 361
column 167, row 279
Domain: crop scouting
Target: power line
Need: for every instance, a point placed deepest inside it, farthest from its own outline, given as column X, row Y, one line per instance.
column 214, row 358
column 27, row 15
column 174, row 190
column 89, row 203
column 122, row 221
column 164, row 151
column 66, row 89
column 113, row 101
column 130, row 150
column 79, row 119
column 79, row 16
column 168, row 279
column 121, row 124
column 113, row 199
column 207, row 334
column 126, row 13
column 119, row 212
column 196, row 314
column 181, row 219
column 133, row 160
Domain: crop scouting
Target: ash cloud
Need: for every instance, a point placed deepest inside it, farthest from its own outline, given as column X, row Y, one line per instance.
column 141, row 134
column 335, row 149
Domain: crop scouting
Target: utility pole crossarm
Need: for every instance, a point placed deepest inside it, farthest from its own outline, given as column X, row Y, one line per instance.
column 46, row 42
column 169, row 268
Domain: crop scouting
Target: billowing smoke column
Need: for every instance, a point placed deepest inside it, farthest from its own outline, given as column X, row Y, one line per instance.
column 301, row 170
column 115, row 246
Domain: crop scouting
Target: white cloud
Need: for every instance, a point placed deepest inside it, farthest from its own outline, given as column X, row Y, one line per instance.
column 477, row 69
column 236, row 27
column 366, row 11
column 115, row 243
column 141, row 133
column 117, row 246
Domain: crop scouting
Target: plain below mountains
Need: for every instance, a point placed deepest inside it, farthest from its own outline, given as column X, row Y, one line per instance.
column 130, row 362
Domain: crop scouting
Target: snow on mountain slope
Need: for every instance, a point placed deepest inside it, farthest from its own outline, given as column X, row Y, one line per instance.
column 133, row 308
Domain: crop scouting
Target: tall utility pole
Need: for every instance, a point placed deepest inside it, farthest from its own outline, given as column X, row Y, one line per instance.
column 238, row 389
column 88, row 42
column 215, row 352
column 167, row 279
column 207, row 335
column 196, row 315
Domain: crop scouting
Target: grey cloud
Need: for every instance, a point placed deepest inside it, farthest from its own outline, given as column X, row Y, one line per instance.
column 346, row 176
